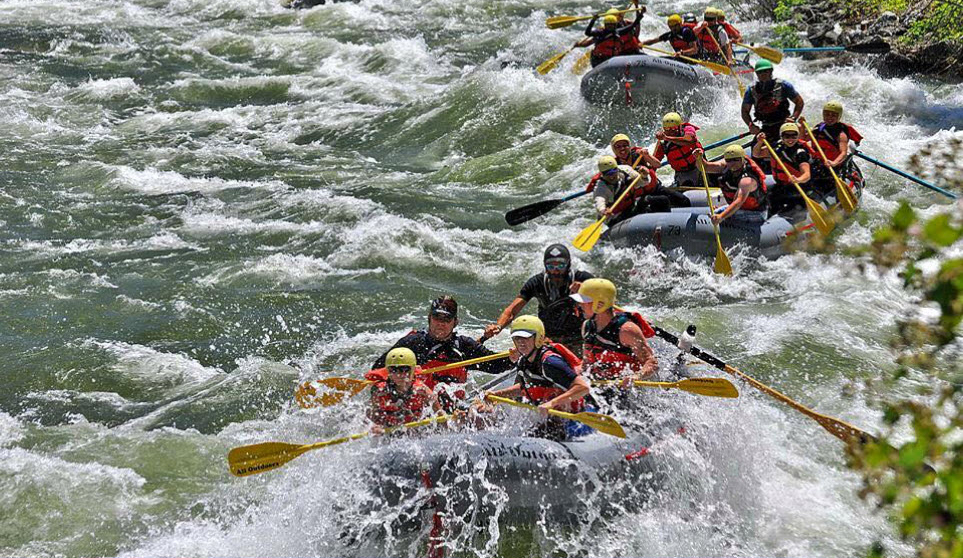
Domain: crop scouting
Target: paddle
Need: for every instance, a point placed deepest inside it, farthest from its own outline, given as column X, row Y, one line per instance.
column 816, row 213
column 722, row 266
column 557, row 22
column 266, row 456
column 895, row 170
column 528, row 212
column 842, row 430
column 843, row 193
column 771, row 54
column 552, row 63
column 742, row 87
column 710, row 387
column 717, row 68
column 339, row 388
column 603, row 423
column 582, row 63
column 586, row 239
column 877, row 47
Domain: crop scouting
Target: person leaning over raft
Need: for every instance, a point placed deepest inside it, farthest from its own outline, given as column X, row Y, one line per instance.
column 615, row 178
column 613, row 39
column 547, row 376
column 798, row 157
column 401, row 397
column 551, row 288
column 681, row 37
column 614, row 340
column 440, row 345
column 834, row 137
column 743, row 184
column 771, row 98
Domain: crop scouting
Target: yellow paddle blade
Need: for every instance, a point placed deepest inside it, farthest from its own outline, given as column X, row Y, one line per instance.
column 819, row 218
column 722, row 266
column 845, row 196
column 551, row 63
column 557, row 22
column 771, row 54
column 258, row 458
column 582, row 63
column 586, row 239
column 711, row 387
column 334, row 391
column 603, row 423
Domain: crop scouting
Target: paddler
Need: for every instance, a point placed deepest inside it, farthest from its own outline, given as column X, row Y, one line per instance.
column 624, row 152
column 714, row 43
column 734, row 34
column 547, row 376
column 612, row 181
column 612, row 39
column 743, row 185
column 440, row 345
column 550, row 288
column 681, row 37
column 833, row 136
column 615, row 346
column 401, row 396
column 677, row 142
column 798, row 157
column 771, row 98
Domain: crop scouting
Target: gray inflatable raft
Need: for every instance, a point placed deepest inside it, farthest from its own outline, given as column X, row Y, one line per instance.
column 640, row 76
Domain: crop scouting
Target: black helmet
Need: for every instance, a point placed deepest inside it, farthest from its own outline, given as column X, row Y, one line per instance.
column 444, row 307
column 556, row 253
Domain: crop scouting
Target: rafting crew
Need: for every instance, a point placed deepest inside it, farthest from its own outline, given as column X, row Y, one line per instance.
column 438, row 345
column 798, row 158
column 659, row 198
column 677, row 142
column 616, row 37
column 681, row 37
column 714, row 43
column 547, row 376
column 833, row 136
column 769, row 100
column 401, row 396
column 743, row 185
column 551, row 288
column 614, row 341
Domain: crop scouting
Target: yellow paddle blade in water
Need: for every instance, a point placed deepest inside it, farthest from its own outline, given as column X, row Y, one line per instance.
column 333, row 391
column 582, row 63
column 586, row 239
column 710, row 387
column 603, row 423
column 552, row 63
column 722, row 266
column 771, row 54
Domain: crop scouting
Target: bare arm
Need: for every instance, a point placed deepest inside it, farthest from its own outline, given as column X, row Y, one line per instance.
column 798, row 105
column 507, row 315
column 578, row 390
column 631, row 336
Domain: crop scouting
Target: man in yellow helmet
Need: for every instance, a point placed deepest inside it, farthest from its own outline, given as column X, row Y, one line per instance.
column 677, row 142
column 743, row 185
column 680, row 36
column 547, row 375
column 615, row 346
column 401, row 397
column 833, row 136
column 798, row 158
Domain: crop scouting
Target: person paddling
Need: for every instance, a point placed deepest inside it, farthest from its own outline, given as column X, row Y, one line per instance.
column 439, row 345
column 547, row 376
column 681, row 37
column 743, row 185
column 734, row 34
column 401, row 396
column 612, row 39
column 833, row 136
column 677, row 142
column 658, row 198
column 615, row 346
column 769, row 100
column 798, row 157
column 550, row 288
column 714, row 43
column 646, row 194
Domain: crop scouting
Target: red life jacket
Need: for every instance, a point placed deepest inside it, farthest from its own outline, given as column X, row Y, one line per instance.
column 676, row 40
column 539, row 388
column 708, row 42
column 637, row 192
column 828, row 137
column 390, row 408
column 734, row 34
column 608, row 47
column 729, row 184
column 771, row 106
column 606, row 358
column 681, row 158
column 590, row 187
column 778, row 174
column 634, row 153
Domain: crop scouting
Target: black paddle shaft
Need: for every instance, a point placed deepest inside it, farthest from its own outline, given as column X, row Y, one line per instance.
column 694, row 351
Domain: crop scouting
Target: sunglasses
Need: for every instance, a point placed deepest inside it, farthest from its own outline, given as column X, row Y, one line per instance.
column 443, row 317
column 734, row 160
column 559, row 266
column 399, row 370
column 790, row 135
column 610, row 172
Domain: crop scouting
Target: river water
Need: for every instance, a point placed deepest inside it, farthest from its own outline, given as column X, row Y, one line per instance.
column 204, row 203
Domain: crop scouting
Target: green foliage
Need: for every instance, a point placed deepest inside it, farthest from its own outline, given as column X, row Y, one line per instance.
column 785, row 36
column 921, row 482
column 941, row 21
column 785, row 33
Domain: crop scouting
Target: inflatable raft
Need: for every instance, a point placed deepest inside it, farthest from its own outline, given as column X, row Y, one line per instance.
column 635, row 77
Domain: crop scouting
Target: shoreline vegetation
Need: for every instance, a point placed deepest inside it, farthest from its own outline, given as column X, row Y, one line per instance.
column 926, row 36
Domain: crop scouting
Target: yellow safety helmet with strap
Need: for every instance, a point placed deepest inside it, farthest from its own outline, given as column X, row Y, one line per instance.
column 610, row 20
column 834, row 107
column 607, row 163
column 734, row 153
column 671, row 120
column 599, row 292
column 619, row 137
column 674, row 20
column 789, row 127
column 400, row 357
column 529, row 326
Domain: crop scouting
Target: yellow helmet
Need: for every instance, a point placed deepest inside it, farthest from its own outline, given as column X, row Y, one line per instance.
column 720, row 13
column 401, row 356
column 619, row 137
column 607, row 163
column 599, row 292
column 529, row 326
column 610, row 20
column 671, row 120
column 674, row 20
column 833, row 106
column 789, row 127
column 710, row 14
column 613, row 11
column 734, row 152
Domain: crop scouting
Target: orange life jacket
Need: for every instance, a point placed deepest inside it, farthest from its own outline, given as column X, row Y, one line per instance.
column 828, row 137
column 734, row 34
column 708, row 42
column 390, row 408
column 608, row 47
column 538, row 387
column 637, row 192
column 606, row 358
column 729, row 184
column 778, row 174
column 681, row 158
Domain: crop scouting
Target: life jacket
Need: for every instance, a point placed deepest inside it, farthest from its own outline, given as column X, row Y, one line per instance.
column 734, row 34
column 437, row 356
column 828, row 137
column 590, row 187
column 637, row 192
column 606, row 358
column 676, row 40
column 634, row 153
column 390, row 408
column 770, row 106
column 729, row 184
column 629, row 44
column 777, row 173
column 536, row 385
column 708, row 42
column 607, row 47
column 681, row 158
